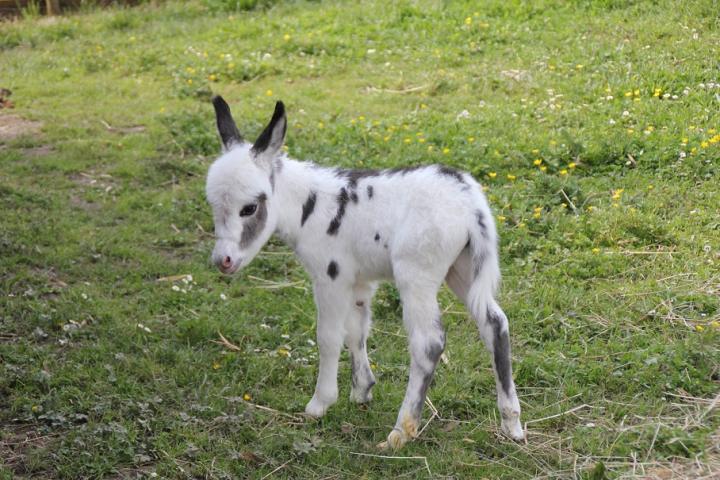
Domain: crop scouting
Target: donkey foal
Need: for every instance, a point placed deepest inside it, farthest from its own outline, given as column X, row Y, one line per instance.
column 351, row 229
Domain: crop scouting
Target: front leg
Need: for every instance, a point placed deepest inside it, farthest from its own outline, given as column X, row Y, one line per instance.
column 333, row 304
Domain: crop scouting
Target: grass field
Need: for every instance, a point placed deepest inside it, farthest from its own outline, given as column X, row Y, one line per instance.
column 594, row 126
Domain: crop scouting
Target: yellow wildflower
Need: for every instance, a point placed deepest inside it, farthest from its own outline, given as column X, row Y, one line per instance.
column 704, row 144
column 492, row 174
column 321, row 125
column 537, row 162
column 595, row 250
column 430, row 148
column 212, row 77
column 699, row 328
column 535, row 151
column 407, row 140
column 563, row 172
column 468, row 20
column 446, row 151
column 511, row 177
column 572, row 165
column 247, row 397
column 189, row 81
column 471, row 139
column 268, row 93
column 286, row 37
column 543, row 168
column 500, row 218
column 387, row 139
column 215, row 365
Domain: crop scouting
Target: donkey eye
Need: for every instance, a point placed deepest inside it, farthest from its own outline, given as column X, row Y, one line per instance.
column 248, row 210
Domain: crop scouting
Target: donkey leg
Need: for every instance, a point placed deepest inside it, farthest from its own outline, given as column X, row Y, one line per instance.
column 495, row 333
column 421, row 317
column 493, row 326
column 357, row 327
column 333, row 303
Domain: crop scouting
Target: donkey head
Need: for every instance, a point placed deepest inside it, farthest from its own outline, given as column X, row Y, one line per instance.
column 240, row 188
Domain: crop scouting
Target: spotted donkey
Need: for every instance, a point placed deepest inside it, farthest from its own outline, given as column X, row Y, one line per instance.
column 352, row 228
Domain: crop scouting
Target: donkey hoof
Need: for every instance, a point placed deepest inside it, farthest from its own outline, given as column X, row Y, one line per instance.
column 513, row 429
column 316, row 408
column 395, row 440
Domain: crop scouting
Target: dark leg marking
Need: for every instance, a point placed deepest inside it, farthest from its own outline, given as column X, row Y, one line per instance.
column 377, row 237
column 308, row 207
column 353, row 371
column 433, row 352
column 256, row 224
column 342, row 200
column 333, row 270
column 370, row 191
column 360, row 303
column 353, row 196
column 501, row 351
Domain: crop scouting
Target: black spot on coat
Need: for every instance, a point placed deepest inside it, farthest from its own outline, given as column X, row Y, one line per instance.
column 342, row 200
column 333, row 270
column 308, row 207
column 370, row 191
column 451, row 172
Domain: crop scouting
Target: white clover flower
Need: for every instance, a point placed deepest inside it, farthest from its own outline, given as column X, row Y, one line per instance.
column 223, row 296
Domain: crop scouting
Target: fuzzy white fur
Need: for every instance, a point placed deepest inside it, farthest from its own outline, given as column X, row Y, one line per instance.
column 417, row 227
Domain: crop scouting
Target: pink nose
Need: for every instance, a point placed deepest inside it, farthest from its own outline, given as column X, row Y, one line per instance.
column 227, row 262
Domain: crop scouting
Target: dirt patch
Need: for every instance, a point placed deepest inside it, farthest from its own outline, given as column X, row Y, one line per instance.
column 19, row 441
column 78, row 202
column 13, row 126
column 40, row 151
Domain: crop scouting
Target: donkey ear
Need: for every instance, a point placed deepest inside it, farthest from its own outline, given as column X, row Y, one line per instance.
column 271, row 139
column 229, row 133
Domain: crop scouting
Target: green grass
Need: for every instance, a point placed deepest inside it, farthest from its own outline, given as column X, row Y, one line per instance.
column 610, row 257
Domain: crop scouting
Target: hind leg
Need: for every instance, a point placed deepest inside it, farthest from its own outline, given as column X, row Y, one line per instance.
column 357, row 327
column 426, row 335
column 493, row 326
column 495, row 333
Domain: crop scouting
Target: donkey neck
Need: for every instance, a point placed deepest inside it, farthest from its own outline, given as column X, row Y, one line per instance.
column 298, row 186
